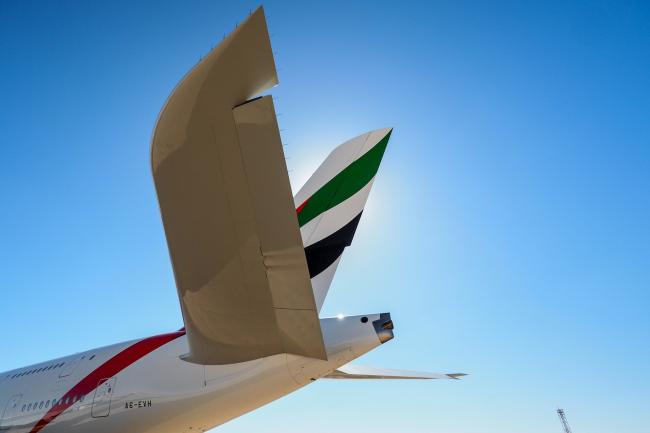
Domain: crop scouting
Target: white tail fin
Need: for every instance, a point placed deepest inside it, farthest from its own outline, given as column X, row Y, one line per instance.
column 330, row 204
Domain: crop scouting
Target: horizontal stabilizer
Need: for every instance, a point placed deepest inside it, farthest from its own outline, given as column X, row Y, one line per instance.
column 350, row 371
column 218, row 165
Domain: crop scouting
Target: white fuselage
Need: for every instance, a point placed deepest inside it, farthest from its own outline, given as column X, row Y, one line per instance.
column 145, row 385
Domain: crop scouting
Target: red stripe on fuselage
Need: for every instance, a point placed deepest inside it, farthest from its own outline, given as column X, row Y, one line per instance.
column 105, row 371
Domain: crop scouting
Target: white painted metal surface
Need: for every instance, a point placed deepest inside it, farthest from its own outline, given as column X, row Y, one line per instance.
column 163, row 393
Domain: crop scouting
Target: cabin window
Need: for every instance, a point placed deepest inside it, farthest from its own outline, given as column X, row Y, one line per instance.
column 40, row 406
column 29, row 407
column 23, row 408
column 47, row 404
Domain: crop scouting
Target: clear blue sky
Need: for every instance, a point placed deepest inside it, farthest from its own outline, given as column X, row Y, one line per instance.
column 508, row 231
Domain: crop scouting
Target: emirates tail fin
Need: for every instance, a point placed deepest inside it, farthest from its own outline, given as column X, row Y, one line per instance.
column 330, row 204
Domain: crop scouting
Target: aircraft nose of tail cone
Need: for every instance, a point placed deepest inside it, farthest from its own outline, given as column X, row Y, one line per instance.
column 384, row 327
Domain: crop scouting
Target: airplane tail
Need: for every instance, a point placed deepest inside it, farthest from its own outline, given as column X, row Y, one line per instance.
column 330, row 204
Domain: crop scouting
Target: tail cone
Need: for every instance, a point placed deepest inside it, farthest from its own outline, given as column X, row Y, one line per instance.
column 384, row 327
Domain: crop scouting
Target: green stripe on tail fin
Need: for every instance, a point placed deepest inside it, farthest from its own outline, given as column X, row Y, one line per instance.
column 345, row 184
column 330, row 204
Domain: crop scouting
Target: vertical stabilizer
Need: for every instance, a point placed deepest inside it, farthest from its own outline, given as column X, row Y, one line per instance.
column 330, row 204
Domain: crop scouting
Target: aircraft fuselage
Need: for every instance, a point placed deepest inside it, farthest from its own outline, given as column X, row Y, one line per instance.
column 145, row 385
